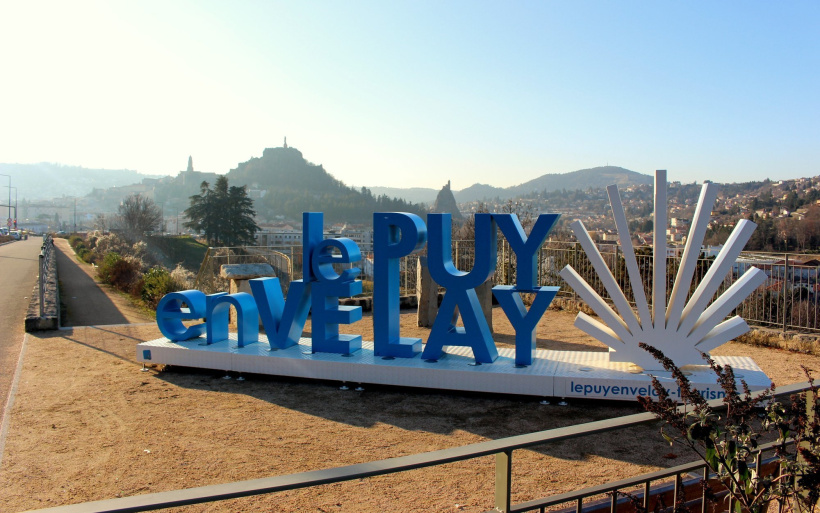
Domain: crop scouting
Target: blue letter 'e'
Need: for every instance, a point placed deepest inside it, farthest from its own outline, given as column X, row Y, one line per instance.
column 170, row 314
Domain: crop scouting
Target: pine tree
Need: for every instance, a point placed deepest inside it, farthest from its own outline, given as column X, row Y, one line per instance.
column 224, row 214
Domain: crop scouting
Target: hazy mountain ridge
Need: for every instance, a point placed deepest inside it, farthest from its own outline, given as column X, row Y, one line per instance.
column 480, row 191
column 596, row 177
column 46, row 180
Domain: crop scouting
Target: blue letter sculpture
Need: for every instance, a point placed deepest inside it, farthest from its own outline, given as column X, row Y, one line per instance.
column 326, row 291
column 170, row 314
column 284, row 321
column 526, row 250
column 396, row 234
column 524, row 322
column 460, row 289
column 247, row 317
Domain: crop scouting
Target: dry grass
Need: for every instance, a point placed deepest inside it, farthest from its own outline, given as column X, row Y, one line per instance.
column 87, row 425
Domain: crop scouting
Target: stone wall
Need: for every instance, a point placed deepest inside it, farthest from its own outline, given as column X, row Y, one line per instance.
column 808, row 343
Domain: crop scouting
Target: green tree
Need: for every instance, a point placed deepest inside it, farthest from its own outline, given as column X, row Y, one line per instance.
column 200, row 212
column 241, row 217
column 224, row 214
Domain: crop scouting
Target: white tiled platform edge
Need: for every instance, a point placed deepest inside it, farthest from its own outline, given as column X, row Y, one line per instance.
column 553, row 374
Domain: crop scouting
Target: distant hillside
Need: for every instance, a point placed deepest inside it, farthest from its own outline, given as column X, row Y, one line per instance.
column 293, row 185
column 480, row 191
column 597, row 178
column 414, row 194
column 175, row 192
column 46, row 180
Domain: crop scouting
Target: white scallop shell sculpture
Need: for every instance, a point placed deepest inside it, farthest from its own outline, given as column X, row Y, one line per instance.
column 682, row 330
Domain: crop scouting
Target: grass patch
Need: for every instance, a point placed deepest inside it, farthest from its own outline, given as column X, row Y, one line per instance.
column 181, row 249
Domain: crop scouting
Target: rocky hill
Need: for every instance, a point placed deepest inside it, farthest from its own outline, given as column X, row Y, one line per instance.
column 446, row 203
column 283, row 183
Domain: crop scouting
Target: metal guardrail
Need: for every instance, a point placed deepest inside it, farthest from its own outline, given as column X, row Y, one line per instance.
column 502, row 449
column 643, row 483
column 46, row 254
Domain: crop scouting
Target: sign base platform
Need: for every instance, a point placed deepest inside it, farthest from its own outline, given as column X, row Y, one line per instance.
column 577, row 374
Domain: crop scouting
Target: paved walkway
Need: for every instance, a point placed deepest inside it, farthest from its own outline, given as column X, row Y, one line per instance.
column 89, row 303
column 18, row 275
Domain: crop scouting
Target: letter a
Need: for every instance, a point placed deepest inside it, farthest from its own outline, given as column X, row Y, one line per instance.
column 460, row 289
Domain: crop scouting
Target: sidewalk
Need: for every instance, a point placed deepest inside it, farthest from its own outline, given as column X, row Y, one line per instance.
column 89, row 303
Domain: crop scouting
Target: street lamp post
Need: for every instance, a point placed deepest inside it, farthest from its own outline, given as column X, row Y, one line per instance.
column 9, row 186
column 15, row 204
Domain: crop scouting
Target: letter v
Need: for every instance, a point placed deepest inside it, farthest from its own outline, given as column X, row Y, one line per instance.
column 284, row 322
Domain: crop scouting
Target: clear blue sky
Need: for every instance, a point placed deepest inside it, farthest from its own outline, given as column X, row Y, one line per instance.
column 415, row 93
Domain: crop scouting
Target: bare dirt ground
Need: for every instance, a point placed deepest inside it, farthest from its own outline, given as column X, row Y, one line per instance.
column 88, row 425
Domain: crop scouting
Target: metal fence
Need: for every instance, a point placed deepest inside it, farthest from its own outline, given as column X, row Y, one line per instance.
column 788, row 300
column 287, row 264
column 502, row 449
column 282, row 260
column 46, row 254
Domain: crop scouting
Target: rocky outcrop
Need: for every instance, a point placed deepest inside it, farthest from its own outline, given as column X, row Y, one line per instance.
column 446, row 203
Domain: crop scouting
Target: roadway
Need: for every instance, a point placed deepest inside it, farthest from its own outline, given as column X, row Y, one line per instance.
column 18, row 276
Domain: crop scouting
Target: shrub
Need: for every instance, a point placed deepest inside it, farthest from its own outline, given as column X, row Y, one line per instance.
column 91, row 239
column 108, row 262
column 728, row 442
column 110, row 243
column 84, row 254
column 182, row 278
column 125, row 275
column 156, row 283
column 82, row 248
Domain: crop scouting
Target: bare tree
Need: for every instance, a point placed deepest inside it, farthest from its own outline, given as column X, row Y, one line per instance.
column 101, row 223
column 137, row 215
